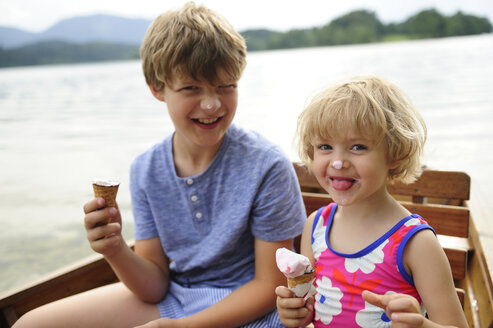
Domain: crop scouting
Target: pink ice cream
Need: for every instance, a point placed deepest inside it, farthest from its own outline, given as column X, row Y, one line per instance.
column 291, row 263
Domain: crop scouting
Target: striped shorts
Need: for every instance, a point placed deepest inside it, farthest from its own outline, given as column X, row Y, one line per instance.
column 181, row 302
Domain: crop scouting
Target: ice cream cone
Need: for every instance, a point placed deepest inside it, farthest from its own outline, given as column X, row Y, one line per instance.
column 107, row 190
column 300, row 285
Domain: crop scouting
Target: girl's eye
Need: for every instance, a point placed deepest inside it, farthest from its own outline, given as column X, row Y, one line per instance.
column 359, row 147
column 325, row 147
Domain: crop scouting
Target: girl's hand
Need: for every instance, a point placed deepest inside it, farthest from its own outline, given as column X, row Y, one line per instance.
column 293, row 311
column 103, row 226
column 402, row 309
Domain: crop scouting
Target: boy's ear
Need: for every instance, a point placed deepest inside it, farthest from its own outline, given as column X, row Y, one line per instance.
column 158, row 94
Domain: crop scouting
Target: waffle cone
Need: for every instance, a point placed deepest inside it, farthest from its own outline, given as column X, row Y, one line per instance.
column 107, row 192
column 303, row 279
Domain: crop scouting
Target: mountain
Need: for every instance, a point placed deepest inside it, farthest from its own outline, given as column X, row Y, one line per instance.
column 93, row 28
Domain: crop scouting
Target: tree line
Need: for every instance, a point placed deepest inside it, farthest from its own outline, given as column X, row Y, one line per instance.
column 363, row 26
column 359, row 26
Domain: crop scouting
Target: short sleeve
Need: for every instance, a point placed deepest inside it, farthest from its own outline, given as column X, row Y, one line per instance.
column 278, row 212
column 144, row 225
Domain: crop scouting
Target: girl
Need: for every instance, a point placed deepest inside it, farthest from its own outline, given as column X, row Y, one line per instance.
column 377, row 265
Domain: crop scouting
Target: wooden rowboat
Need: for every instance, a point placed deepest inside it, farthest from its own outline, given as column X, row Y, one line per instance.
column 441, row 197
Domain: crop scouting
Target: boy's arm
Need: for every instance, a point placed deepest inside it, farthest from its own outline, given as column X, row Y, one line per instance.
column 145, row 271
column 247, row 303
column 252, row 300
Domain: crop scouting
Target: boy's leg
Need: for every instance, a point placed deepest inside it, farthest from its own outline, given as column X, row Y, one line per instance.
column 108, row 306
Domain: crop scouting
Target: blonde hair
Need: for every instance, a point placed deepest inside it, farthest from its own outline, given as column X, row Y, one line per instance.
column 193, row 41
column 375, row 108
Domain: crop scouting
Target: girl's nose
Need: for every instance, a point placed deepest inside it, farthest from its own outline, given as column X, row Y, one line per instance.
column 338, row 164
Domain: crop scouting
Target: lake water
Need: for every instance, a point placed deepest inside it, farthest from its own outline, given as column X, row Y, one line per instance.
column 61, row 126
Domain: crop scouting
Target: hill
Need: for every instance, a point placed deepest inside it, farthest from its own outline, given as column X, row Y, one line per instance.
column 94, row 28
column 105, row 37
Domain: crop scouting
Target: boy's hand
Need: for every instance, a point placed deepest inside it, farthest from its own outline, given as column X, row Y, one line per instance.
column 402, row 309
column 103, row 226
column 293, row 311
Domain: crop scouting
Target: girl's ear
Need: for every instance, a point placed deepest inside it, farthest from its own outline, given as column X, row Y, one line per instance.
column 158, row 94
column 394, row 165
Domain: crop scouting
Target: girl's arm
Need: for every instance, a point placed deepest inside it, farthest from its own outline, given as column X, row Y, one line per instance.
column 145, row 271
column 426, row 261
column 294, row 311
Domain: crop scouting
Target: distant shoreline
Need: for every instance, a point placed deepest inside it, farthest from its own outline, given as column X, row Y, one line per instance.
column 356, row 27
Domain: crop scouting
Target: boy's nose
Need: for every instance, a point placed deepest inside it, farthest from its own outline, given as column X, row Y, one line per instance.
column 210, row 104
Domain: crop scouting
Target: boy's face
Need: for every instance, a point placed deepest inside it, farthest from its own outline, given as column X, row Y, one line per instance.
column 201, row 112
column 352, row 169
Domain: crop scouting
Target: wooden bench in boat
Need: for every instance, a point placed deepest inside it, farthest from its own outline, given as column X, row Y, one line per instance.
column 439, row 196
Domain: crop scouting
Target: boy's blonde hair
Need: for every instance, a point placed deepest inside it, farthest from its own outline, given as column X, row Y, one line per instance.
column 375, row 108
column 193, row 41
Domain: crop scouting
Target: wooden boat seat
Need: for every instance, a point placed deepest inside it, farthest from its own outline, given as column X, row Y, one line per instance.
column 438, row 196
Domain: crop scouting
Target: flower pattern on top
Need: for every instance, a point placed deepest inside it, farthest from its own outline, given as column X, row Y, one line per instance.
column 319, row 245
column 373, row 316
column 327, row 301
column 366, row 263
column 412, row 222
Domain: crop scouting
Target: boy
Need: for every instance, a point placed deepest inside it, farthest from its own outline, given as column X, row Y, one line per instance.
column 211, row 202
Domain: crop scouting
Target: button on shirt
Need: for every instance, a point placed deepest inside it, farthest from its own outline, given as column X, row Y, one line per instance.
column 207, row 223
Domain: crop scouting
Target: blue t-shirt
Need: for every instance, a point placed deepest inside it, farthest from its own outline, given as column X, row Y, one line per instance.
column 207, row 223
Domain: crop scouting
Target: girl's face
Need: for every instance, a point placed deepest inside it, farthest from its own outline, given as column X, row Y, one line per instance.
column 201, row 112
column 353, row 169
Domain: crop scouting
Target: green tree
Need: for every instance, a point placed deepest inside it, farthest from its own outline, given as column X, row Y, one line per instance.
column 461, row 24
column 426, row 24
column 359, row 26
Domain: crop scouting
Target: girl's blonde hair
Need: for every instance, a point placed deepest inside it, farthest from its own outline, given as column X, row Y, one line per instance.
column 191, row 42
column 375, row 108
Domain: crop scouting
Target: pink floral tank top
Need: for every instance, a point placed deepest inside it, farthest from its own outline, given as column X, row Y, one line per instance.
column 341, row 278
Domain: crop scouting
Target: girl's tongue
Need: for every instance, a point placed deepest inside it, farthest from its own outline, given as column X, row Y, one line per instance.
column 342, row 183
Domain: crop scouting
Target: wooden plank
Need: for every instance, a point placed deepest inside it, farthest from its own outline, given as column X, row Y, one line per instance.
column 313, row 201
column 480, row 280
column 307, row 181
column 445, row 219
column 437, row 184
column 9, row 316
column 84, row 275
column 446, row 185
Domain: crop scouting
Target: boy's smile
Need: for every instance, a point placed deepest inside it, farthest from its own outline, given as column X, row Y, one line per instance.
column 207, row 123
column 201, row 112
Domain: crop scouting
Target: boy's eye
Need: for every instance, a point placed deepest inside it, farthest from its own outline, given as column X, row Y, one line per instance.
column 359, row 147
column 189, row 87
column 226, row 87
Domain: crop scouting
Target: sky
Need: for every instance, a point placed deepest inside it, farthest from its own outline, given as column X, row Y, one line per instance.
column 280, row 15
